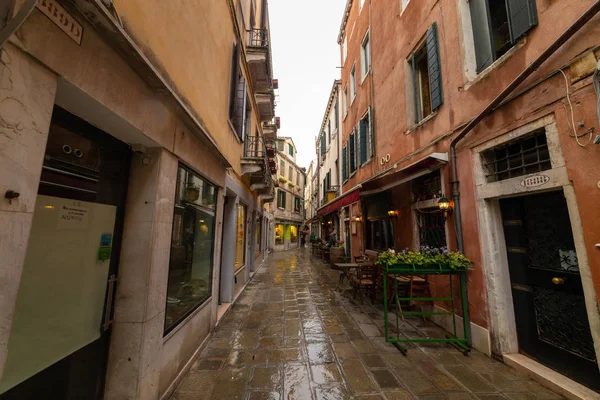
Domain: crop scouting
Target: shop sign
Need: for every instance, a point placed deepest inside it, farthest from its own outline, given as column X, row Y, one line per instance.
column 73, row 217
column 62, row 19
column 535, row 180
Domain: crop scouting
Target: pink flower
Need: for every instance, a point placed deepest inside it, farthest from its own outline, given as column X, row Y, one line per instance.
column 393, row 251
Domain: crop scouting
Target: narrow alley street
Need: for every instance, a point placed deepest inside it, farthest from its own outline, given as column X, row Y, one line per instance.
column 292, row 336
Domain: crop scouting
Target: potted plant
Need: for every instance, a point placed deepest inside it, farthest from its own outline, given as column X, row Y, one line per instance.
column 282, row 179
column 426, row 257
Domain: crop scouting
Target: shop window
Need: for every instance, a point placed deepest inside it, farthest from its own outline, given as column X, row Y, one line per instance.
column 427, row 78
column 432, row 227
column 279, row 234
column 497, row 25
column 526, row 155
column 192, row 246
column 380, row 234
column 240, row 237
column 293, row 234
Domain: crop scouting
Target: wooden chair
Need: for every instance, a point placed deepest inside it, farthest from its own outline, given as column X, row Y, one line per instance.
column 365, row 281
column 411, row 286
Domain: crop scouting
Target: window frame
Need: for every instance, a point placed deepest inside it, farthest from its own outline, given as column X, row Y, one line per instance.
column 365, row 56
column 346, row 101
column 353, row 83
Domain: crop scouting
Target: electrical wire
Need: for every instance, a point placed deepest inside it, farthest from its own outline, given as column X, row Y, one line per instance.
column 572, row 127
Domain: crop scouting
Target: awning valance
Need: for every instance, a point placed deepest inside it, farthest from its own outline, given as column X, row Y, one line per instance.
column 397, row 177
column 342, row 201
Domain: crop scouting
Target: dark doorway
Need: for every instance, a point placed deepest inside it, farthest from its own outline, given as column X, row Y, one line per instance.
column 550, row 312
column 75, row 241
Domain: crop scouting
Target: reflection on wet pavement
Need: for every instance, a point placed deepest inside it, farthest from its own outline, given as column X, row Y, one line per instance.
column 290, row 336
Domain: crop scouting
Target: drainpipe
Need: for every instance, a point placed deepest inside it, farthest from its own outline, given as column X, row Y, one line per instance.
column 562, row 39
column 15, row 22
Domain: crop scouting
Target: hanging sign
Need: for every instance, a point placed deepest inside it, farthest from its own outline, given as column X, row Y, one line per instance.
column 62, row 19
column 535, row 180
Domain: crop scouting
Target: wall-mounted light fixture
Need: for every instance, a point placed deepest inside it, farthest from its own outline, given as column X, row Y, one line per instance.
column 393, row 213
column 358, row 218
column 444, row 205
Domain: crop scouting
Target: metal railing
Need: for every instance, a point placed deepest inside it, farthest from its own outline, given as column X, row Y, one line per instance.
column 254, row 147
column 259, row 37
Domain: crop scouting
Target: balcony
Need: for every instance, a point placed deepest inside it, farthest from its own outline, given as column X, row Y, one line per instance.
column 270, row 128
column 330, row 194
column 259, row 59
column 266, row 105
column 258, row 166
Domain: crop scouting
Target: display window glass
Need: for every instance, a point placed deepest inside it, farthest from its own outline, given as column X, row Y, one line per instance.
column 279, row 234
column 293, row 234
column 192, row 247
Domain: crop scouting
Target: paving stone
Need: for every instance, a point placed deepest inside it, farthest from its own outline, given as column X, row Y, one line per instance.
column 519, row 396
column 197, row 382
column 416, row 382
column 357, row 377
column 491, row 397
column 297, row 382
column 470, row 380
column 326, row 374
column 460, row 396
column 319, row 353
column 247, row 358
column 203, row 364
column 502, row 383
column 385, row 379
column 364, row 346
column 269, row 342
column 370, row 330
column 285, row 355
column 331, row 393
column 345, row 350
column 403, row 395
column 373, row 361
column 266, row 377
column 539, row 391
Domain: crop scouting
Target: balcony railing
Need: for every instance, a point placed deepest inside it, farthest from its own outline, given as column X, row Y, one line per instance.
column 254, row 147
column 259, row 37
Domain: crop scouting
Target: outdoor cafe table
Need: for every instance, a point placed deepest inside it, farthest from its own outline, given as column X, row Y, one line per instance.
column 345, row 269
column 392, row 271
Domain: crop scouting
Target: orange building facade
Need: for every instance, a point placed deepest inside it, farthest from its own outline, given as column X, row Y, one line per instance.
column 414, row 74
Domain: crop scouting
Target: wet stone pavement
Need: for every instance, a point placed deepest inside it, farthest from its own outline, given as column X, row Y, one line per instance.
column 292, row 336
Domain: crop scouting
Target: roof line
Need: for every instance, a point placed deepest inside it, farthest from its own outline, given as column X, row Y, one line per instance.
column 336, row 84
column 344, row 20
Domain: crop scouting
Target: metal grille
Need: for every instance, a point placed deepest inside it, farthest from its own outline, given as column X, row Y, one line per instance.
column 432, row 228
column 520, row 157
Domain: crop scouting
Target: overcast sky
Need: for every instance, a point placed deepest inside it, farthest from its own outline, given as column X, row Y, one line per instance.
column 305, row 60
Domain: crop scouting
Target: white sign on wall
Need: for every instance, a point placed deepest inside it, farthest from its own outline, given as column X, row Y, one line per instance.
column 73, row 217
column 535, row 180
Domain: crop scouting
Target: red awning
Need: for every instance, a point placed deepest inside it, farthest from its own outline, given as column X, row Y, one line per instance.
column 342, row 201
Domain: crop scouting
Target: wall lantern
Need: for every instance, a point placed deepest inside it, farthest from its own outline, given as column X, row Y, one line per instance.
column 444, row 205
column 357, row 219
column 393, row 213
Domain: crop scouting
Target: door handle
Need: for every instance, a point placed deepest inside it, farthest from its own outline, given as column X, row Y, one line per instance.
column 558, row 281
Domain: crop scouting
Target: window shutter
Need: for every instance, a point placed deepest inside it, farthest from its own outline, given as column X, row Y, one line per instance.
column 233, row 82
column 371, row 144
column 337, row 113
column 284, row 200
column 484, row 54
column 522, row 16
column 344, row 164
column 352, row 153
column 435, row 73
column 323, row 145
column 362, row 127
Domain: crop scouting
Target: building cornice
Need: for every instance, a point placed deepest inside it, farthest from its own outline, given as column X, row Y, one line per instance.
column 337, row 83
column 345, row 21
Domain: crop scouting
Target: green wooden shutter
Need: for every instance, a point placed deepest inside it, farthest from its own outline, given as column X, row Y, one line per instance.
column 371, row 143
column 484, row 53
column 352, row 153
column 435, row 72
column 522, row 16
column 362, row 145
column 284, row 199
column 323, row 145
column 344, row 163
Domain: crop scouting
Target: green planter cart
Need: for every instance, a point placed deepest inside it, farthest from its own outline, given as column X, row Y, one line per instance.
column 390, row 271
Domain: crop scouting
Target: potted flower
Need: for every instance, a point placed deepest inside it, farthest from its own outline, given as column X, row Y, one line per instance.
column 282, row 179
column 426, row 257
